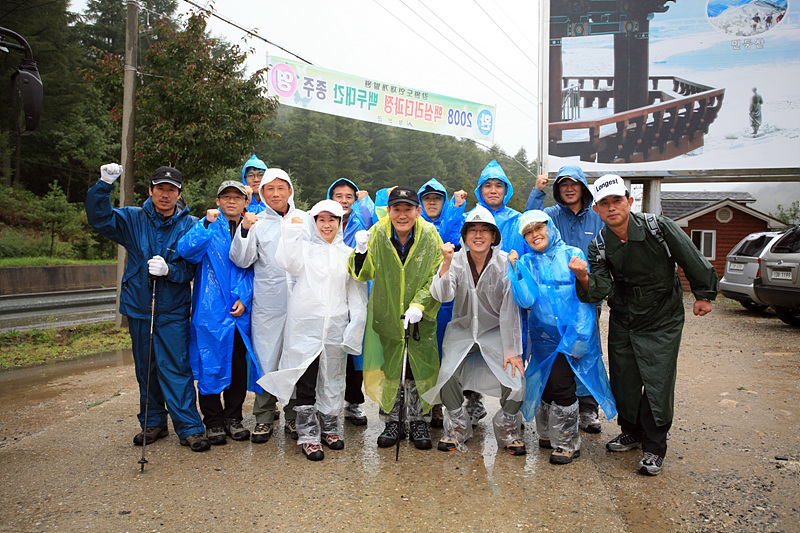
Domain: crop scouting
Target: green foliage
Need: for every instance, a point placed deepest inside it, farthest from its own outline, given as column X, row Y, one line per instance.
column 790, row 214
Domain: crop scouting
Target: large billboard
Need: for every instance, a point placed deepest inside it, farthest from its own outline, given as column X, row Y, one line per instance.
column 299, row 84
column 684, row 85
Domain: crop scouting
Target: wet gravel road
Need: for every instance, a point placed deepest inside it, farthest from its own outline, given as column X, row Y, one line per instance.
column 67, row 462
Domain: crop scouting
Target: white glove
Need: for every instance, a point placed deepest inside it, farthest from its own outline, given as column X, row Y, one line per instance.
column 110, row 172
column 362, row 239
column 157, row 266
column 413, row 315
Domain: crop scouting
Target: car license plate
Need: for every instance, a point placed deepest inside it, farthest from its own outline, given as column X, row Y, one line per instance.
column 735, row 266
column 781, row 274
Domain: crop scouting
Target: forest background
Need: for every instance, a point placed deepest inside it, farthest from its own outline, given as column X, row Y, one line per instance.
column 197, row 110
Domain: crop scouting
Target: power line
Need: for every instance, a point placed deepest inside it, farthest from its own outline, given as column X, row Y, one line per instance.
column 476, row 50
column 536, row 65
column 215, row 14
column 451, row 59
column 471, row 58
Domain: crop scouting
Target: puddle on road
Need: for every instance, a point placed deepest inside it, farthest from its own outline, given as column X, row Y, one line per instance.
column 43, row 382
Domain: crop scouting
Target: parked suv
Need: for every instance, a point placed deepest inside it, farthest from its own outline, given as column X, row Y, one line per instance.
column 743, row 266
column 779, row 285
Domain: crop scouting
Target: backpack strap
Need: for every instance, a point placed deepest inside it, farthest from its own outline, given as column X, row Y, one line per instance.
column 655, row 230
column 601, row 245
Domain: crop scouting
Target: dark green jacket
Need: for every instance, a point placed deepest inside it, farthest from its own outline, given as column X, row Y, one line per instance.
column 647, row 314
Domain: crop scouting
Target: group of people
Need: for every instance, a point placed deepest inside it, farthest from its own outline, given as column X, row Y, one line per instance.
column 426, row 305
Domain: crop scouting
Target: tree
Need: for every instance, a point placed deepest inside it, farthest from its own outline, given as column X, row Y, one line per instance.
column 790, row 214
column 59, row 216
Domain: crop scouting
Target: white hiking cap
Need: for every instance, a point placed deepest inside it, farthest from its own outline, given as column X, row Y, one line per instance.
column 609, row 185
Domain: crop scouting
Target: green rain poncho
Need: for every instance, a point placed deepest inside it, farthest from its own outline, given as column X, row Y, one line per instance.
column 395, row 287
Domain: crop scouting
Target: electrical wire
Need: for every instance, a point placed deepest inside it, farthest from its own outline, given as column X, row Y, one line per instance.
column 534, row 63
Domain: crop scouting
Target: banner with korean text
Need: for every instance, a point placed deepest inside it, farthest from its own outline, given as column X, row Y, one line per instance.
column 299, row 84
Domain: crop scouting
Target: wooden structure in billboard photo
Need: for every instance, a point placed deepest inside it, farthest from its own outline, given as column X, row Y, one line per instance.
column 653, row 118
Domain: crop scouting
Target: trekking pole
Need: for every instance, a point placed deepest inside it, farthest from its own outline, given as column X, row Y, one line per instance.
column 143, row 461
column 402, row 391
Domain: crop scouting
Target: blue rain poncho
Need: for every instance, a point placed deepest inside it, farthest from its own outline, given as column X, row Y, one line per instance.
column 218, row 283
column 361, row 216
column 254, row 206
column 557, row 321
column 271, row 284
column 450, row 220
column 326, row 315
column 505, row 217
column 576, row 229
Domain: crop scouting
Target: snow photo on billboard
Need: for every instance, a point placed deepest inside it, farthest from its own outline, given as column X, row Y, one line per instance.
column 720, row 89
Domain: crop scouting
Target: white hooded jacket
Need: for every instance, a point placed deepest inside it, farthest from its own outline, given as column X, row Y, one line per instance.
column 326, row 316
column 484, row 314
column 271, row 284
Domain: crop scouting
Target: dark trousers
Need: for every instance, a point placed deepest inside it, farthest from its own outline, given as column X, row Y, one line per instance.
column 353, row 380
column 653, row 437
column 587, row 404
column 560, row 387
column 306, row 387
column 214, row 415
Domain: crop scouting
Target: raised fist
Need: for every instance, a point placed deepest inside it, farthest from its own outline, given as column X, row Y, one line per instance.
column 110, row 172
column 362, row 239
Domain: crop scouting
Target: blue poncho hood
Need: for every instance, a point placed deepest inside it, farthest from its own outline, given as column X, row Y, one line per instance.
column 574, row 172
column 493, row 171
column 341, row 181
column 254, row 162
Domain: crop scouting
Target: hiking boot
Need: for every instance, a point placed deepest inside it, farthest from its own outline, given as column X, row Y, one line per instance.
column 420, row 435
column 475, row 408
column 516, row 447
column 545, row 443
column 290, row 428
column 313, row 452
column 216, row 436
column 447, row 444
column 333, row 441
column 589, row 422
column 235, row 430
column 354, row 414
column 391, row 434
column 261, row 433
column 153, row 433
column 651, row 464
column 196, row 441
column 560, row 456
column 623, row 442
column 437, row 417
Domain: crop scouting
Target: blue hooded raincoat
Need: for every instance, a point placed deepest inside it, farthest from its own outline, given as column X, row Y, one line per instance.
column 254, row 206
column 361, row 216
column 217, row 285
column 576, row 229
column 505, row 217
column 449, row 227
column 558, row 323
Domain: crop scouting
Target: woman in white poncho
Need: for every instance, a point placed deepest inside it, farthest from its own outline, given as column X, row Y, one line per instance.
column 482, row 345
column 325, row 320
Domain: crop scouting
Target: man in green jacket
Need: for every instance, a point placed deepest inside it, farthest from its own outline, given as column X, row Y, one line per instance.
column 401, row 254
column 634, row 266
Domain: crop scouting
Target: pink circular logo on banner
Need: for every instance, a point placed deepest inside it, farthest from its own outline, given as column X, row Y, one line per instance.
column 284, row 80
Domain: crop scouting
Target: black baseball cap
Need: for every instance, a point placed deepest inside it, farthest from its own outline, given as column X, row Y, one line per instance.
column 403, row 195
column 167, row 175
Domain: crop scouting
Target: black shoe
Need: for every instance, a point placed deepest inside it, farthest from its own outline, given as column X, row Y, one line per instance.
column 589, row 422
column 517, row 447
column 261, row 433
column 235, row 430
column 391, row 433
column 313, row 452
column 560, row 456
column 446, row 444
column 354, row 414
column 651, row 464
column 153, row 434
column 216, row 436
column 420, row 435
column 197, row 442
column 545, row 443
column 623, row 442
column 333, row 441
column 290, row 428
column 437, row 417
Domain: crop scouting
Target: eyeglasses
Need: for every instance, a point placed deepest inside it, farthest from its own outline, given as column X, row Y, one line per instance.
column 232, row 197
column 254, row 175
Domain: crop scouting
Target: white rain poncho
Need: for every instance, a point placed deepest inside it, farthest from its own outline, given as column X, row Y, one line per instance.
column 326, row 315
column 271, row 285
column 485, row 315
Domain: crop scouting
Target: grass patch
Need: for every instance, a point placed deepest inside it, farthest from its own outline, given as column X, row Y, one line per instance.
column 35, row 346
column 49, row 261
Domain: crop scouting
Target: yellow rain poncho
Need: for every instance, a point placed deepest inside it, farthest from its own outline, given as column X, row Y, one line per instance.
column 395, row 287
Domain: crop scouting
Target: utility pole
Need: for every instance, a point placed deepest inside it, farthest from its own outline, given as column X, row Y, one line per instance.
column 128, row 131
column 544, row 86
